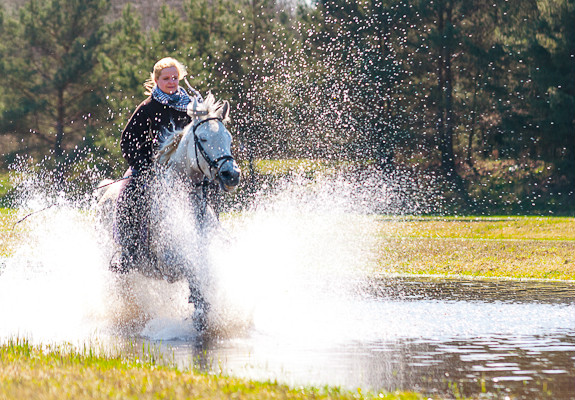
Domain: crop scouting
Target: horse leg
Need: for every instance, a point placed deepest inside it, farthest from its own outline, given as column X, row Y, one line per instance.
column 198, row 283
column 198, row 276
column 201, row 305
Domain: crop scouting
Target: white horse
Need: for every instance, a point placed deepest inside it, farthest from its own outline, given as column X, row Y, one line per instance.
column 183, row 220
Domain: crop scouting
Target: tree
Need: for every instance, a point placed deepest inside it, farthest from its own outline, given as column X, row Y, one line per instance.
column 246, row 62
column 458, row 84
column 546, row 56
column 125, row 61
column 359, row 51
column 542, row 92
column 54, row 79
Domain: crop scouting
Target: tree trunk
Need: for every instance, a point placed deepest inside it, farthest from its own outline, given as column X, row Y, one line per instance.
column 445, row 120
column 58, row 151
column 440, row 123
column 446, row 88
column 468, row 158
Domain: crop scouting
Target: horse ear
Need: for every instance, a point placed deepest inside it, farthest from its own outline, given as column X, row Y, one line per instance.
column 225, row 110
column 196, row 109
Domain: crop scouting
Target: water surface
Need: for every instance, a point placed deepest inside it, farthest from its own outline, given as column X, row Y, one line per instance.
column 292, row 305
column 437, row 336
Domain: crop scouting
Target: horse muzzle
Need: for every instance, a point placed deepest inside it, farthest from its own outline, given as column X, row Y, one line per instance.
column 229, row 175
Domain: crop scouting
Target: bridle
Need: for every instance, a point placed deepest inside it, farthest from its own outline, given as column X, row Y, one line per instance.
column 215, row 164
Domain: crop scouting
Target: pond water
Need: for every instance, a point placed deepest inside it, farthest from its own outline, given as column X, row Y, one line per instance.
column 436, row 336
column 293, row 305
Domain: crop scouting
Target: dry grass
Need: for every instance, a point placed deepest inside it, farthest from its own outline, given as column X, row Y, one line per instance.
column 542, row 248
column 489, row 258
column 521, row 228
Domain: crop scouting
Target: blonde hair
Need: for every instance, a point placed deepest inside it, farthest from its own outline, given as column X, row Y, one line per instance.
column 165, row 62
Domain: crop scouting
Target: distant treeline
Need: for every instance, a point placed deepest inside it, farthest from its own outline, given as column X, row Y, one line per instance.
column 479, row 95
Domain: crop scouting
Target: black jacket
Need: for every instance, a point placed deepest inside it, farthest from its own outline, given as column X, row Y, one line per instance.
column 140, row 136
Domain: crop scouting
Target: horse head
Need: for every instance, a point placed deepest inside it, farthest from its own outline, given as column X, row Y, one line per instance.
column 203, row 149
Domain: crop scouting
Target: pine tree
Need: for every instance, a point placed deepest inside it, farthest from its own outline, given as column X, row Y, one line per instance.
column 54, row 80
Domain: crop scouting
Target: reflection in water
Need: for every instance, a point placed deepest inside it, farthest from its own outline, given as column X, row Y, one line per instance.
column 430, row 335
column 492, row 290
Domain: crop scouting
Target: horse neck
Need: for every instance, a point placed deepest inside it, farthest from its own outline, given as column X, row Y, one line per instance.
column 184, row 160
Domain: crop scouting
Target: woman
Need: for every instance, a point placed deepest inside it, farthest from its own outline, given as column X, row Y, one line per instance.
column 163, row 111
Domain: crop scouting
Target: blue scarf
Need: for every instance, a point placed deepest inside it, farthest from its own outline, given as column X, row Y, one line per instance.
column 178, row 101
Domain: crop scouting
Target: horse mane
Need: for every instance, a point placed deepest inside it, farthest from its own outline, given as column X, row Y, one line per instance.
column 169, row 146
column 209, row 108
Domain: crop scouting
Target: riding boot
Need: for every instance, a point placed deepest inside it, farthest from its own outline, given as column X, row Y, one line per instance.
column 132, row 211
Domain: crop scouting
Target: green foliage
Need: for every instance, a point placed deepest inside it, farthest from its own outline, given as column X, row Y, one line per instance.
column 457, row 84
column 55, row 76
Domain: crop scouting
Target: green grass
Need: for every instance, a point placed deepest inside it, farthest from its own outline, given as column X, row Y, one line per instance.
column 501, row 227
column 5, row 185
column 6, row 188
column 8, row 234
column 28, row 371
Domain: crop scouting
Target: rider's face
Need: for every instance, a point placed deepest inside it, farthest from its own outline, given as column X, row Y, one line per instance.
column 168, row 80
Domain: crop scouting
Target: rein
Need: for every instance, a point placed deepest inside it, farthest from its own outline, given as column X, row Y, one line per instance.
column 53, row 204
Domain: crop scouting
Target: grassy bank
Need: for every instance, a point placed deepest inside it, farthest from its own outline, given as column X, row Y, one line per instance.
column 8, row 235
column 506, row 247
column 28, row 372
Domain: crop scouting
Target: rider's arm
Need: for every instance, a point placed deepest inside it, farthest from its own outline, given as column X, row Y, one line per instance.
column 136, row 143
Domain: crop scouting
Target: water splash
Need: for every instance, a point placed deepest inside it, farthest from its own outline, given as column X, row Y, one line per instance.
column 53, row 287
column 304, row 244
column 297, row 249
